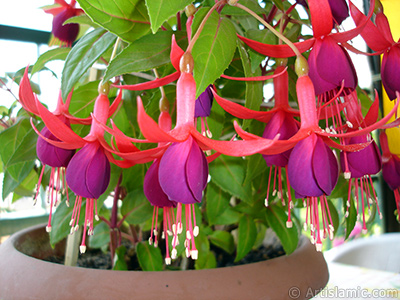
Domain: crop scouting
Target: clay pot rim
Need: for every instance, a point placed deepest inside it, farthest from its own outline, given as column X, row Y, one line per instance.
column 12, row 244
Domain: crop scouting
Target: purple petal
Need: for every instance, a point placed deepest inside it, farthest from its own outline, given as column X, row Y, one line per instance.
column 334, row 64
column 98, row 174
column 339, row 9
column 172, row 172
column 286, row 126
column 51, row 155
column 364, row 162
column 391, row 172
column 196, row 171
column 321, row 85
column 152, row 188
column 300, row 169
column 88, row 172
column 325, row 167
column 390, row 71
column 203, row 103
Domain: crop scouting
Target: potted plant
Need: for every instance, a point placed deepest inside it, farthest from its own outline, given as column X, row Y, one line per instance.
column 175, row 134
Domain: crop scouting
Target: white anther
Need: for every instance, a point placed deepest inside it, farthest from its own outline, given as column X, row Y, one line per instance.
column 82, row 249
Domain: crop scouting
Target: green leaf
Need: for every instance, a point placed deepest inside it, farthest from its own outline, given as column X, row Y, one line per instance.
column 83, row 55
column 82, row 19
column 137, row 207
column 149, row 257
column 161, row 10
column 9, row 185
column 228, row 173
column 223, row 240
column 251, row 4
column 217, row 202
column 26, row 188
column 83, row 98
column 351, row 218
column 255, row 166
column 276, row 218
column 53, row 54
column 334, row 216
column 247, row 234
column 119, row 262
column 101, row 236
column 18, row 151
column 262, row 36
column 214, row 49
column 61, row 219
column 254, row 89
column 146, row 53
column 127, row 19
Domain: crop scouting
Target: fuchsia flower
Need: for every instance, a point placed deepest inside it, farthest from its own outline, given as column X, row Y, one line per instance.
column 280, row 122
column 379, row 38
column 331, row 69
column 390, row 168
column 65, row 33
column 340, row 10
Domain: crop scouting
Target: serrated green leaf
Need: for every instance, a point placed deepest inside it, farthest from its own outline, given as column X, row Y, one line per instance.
column 247, row 234
column 53, row 54
column 146, row 53
column 223, row 240
column 137, row 207
column 100, row 237
column 228, row 173
column 149, row 257
column 161, row 10
column 83, row 55
column 214, row 49
column 276, row 218
column 119, row 262
column 127, row 19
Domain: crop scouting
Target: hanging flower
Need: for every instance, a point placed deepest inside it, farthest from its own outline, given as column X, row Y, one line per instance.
column 379, row 38
column 340, row 10
column 65, row 33
column 390, row 168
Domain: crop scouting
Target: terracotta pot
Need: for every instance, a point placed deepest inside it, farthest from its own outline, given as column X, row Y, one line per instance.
column 24, row 276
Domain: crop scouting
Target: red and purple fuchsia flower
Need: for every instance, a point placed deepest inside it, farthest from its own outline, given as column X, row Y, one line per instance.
column 66, row 34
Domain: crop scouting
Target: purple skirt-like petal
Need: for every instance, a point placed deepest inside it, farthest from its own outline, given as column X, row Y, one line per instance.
column 88, row 172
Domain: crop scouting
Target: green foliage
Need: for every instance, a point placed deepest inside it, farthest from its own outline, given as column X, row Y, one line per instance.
column 83, row 55
column 213, row 50
column 150, row 258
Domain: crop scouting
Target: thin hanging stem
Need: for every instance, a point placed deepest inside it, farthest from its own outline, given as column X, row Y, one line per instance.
column 270, row 28
column 200, row 29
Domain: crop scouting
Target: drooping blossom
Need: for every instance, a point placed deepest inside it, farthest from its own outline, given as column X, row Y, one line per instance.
column 340, row 10
column 88, row 172
column 279, row 121
column 360, row 166
column 65, row 33
column 379, row 38
column 390, row 168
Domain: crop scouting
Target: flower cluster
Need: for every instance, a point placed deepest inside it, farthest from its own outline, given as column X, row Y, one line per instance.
column 315, row 130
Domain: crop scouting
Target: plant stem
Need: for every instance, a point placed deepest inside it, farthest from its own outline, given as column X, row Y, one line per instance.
column 270, row 28
column 114, row 220
column 72, row 248
column 203, row 22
